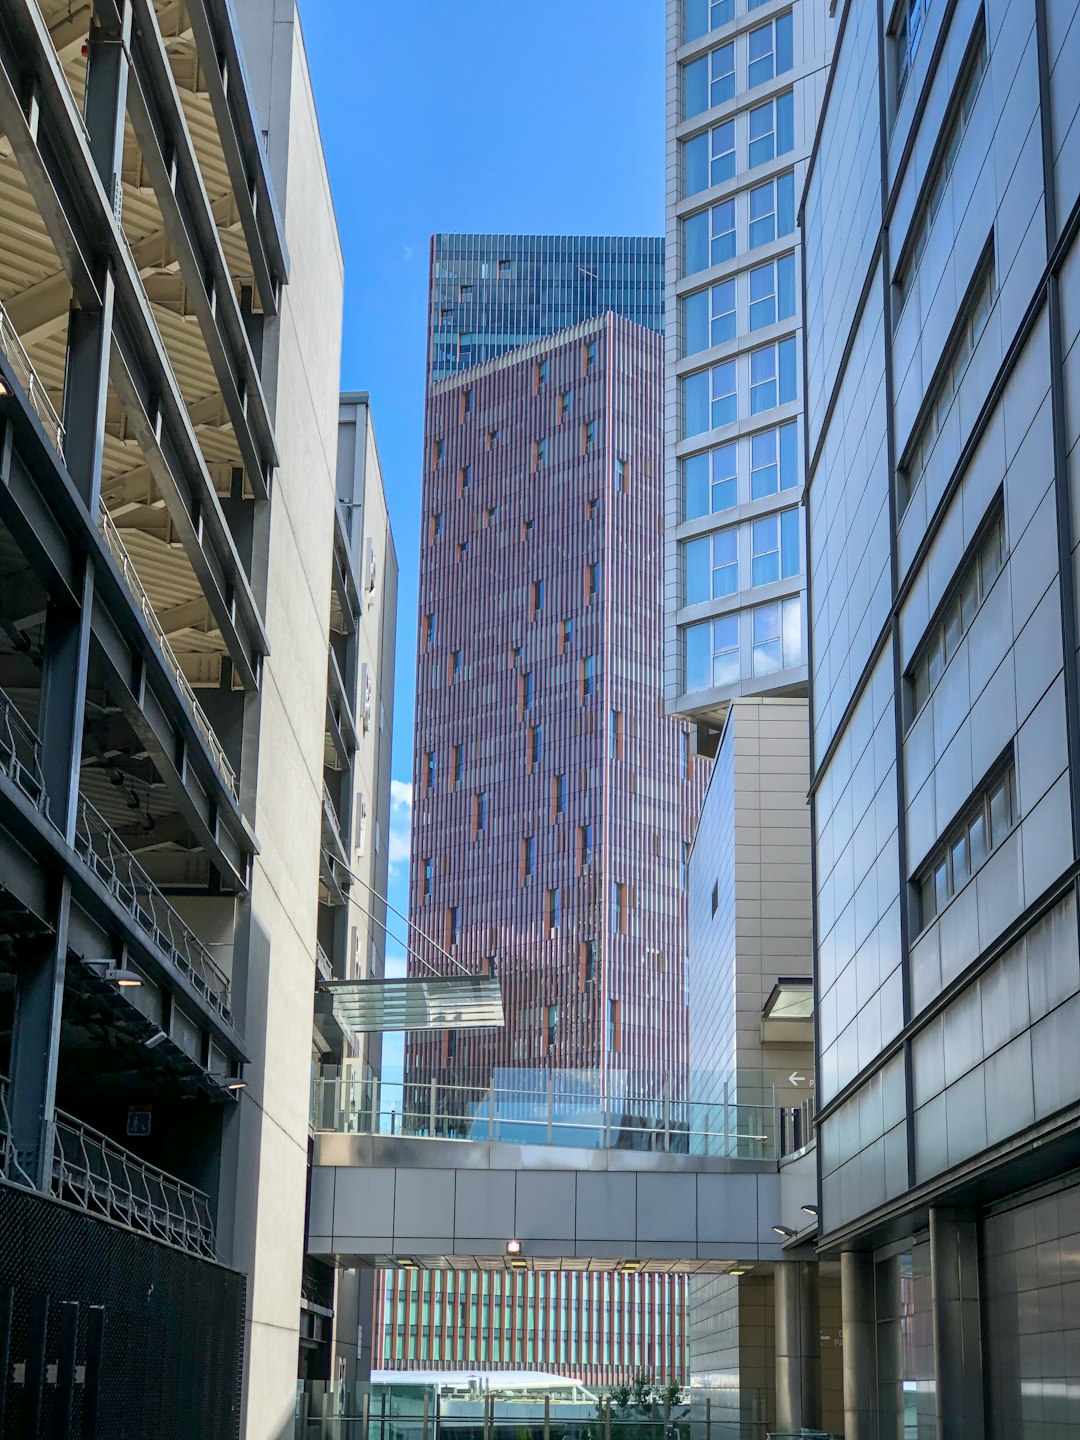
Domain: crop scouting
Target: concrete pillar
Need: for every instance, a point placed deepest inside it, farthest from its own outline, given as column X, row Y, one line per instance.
column 798, row 1346
column 860, row 1349
column 890, row 1351
column 958, row 1358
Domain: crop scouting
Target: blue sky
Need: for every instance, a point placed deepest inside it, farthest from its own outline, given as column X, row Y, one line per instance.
column 482, row 115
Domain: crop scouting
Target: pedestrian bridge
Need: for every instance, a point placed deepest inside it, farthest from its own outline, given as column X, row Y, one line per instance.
column 579, row 1179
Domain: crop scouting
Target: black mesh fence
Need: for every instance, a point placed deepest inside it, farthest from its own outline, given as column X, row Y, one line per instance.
column 111, row 1336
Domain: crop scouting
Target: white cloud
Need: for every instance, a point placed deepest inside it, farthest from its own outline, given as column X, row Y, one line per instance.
column 401, row 800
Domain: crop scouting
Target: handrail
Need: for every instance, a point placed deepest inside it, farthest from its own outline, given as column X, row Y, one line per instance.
column 27, row 376
column 111, row 536
column 110, row 859
column 93, row 1172
column 101, row 1177
column 322, row 963
column 331, row 814
column 20, row 754
column 551, row 1114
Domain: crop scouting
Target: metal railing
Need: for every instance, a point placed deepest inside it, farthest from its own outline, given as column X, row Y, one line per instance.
column 797, row 1128
column 322, row 963
column 20, row 754
column 91, row 1171
column 9, row 1156
column 333, row 819
column 558, row 1108
column 111, row 536
column 106, row 854
column 94, row 1173
column 27, row 377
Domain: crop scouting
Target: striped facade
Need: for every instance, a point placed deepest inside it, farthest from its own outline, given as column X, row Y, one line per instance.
column 554, row 800
column 605, row 1327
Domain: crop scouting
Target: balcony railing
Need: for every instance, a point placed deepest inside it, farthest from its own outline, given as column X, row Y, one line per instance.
column 591, row 1109
column 91, row 1171
column 20, row 753
column 107, row 855
column 332, row 825
column 27, row 377
column 322, row 963
column 117, row 549
column 95, row 1174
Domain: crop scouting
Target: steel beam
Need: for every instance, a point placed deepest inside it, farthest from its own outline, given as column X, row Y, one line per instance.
column 61, row 174
column 158, row 121
column 238, row 130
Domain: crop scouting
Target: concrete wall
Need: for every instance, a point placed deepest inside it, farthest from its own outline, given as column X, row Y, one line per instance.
column 302, row 362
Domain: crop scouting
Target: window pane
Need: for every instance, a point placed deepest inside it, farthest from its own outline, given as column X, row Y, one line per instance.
column 695, row 18
column 697, row 570
column 724, row 484
column 789, row 543
column 696, row 87
column 789, row 455
column 724, row 404
column 698, row 656
column 762, row 214
column 725, row 561
column 696, row 403
column 722, row 165
column 725, row 647
column 785, row 123
column 958, row 854
column 785, row 204
column 723, row 226
column 783, row 44
column 696, row 243
column 695, row 164
column 696, row 486
column 793, row 646
column 977, row 840
column 765, row 554
column 764, row 470
column 760, row 55
column 1000, row 811
column 762, row 296
column 941, row 885
column 723, row 75
column 785, row 287
column 723, row 313
column 786, row 355
column 696, row 322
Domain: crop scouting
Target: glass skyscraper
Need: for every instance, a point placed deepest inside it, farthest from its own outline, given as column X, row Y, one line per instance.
column 494, row 293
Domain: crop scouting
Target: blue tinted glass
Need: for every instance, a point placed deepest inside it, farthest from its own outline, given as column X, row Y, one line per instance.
column 763, row 468
column 696, row 322
column 762, row 296
column 725, row 646
column 762, row 215
column 783, row 44
column 724, row 403
column 785, row 287
column 785, row 123
column 696, row 87
column 762, row 139
column 787, row 370
column 698, row 656
column 785, row 204
column 789, row 542
column 722, row 166
column 723, row 229
column 721, row 12
column 695, row 164
column 697, row 570
column 723, row 75
column 696, row 243
column 696, row 403
column 695, row 18
column 789, row 456
column 723, row 310
column 724, row 484
column 696, row 486
column 760, row 55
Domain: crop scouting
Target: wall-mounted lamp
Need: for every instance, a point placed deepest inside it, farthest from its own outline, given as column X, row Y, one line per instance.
column 809, row 1210
column 118, row 974
column 154, row 1040
column 785, row 1231
column 513, row 1247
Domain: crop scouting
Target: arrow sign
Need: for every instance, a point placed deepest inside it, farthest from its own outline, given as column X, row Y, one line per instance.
column 795, row 1078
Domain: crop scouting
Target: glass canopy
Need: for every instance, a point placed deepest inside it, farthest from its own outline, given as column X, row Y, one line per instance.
column 420, row 1002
